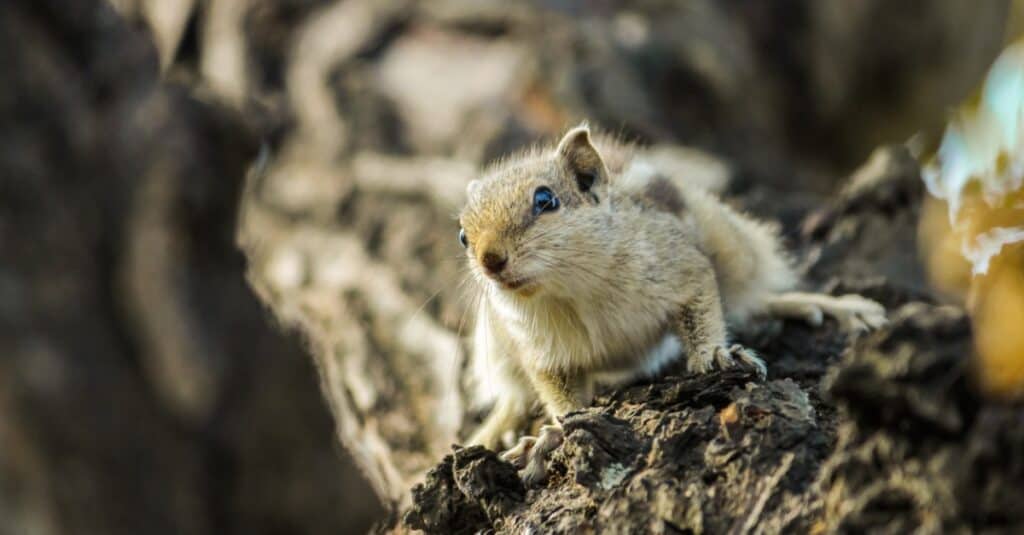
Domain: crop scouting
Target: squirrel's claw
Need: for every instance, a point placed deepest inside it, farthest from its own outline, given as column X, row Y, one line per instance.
column 708, row 357
column 530, row 454
column 748, row 358
column 518, row 455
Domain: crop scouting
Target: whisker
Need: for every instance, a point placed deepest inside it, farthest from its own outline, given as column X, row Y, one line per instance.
column 556, row 263
column 472, row 304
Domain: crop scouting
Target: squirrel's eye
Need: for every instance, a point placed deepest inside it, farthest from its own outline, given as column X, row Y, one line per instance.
column 544, row 200
column 462, row 237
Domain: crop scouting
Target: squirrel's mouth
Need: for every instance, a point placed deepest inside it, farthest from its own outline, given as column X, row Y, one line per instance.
column 513, row 284
column 523, row 287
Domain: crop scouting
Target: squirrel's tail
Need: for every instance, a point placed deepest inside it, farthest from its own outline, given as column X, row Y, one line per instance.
column 749, row 260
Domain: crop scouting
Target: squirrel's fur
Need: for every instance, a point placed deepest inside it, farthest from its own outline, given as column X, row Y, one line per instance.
column 632, row 269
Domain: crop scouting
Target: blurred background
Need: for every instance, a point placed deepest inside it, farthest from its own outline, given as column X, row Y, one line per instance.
column 144, row 388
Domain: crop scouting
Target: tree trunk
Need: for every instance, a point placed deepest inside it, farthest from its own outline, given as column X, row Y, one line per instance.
column 147, row 392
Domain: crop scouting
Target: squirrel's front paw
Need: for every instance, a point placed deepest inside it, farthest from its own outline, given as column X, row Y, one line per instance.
column 530, row 454
column 709, row 356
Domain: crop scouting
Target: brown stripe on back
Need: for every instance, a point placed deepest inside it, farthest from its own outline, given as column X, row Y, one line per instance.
column 661, row 194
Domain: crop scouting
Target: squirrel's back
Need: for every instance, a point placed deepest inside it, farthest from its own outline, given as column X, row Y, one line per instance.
column 747, row 254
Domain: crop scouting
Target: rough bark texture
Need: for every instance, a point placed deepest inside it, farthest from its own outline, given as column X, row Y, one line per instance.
column 146, row 389
column 882, row 434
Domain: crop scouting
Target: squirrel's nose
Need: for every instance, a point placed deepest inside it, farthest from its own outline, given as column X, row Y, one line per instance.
column 493, row 263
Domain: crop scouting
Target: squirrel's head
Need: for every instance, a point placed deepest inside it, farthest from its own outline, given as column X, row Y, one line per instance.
column 528, row 222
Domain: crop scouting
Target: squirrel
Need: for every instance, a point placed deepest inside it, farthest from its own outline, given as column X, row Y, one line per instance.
column 594, row 268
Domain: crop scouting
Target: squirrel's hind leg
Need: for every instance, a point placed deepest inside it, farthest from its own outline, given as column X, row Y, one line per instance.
column 853, row 312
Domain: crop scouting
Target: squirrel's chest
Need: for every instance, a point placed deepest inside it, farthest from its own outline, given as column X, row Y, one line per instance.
column 562, row 335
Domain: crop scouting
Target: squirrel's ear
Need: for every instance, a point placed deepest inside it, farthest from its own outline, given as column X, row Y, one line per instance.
column 581, row 157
